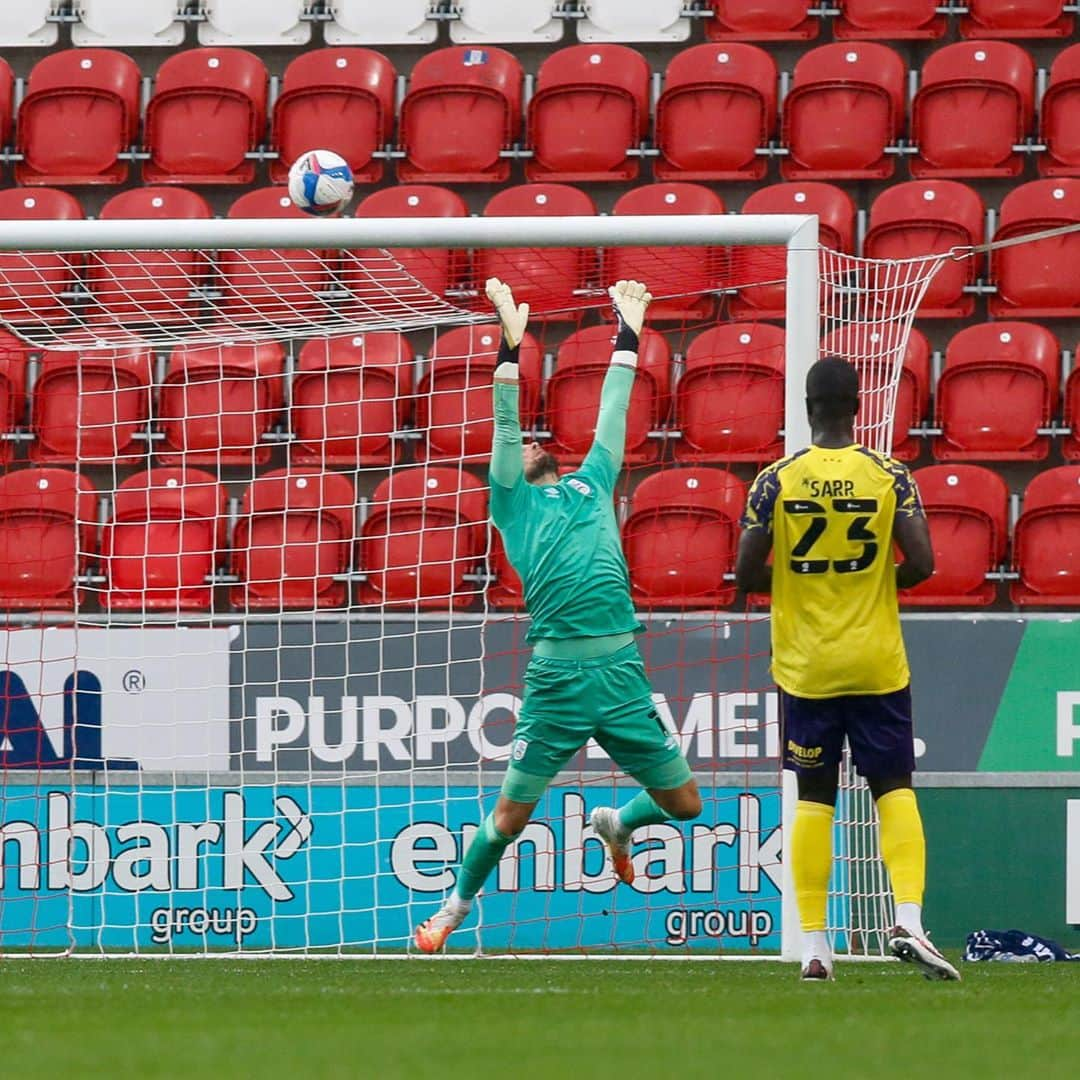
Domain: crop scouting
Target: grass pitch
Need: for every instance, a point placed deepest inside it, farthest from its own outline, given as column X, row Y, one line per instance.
column 518, row 1020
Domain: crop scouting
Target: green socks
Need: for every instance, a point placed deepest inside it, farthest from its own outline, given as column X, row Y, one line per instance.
column 642, row 809
column 484, row 853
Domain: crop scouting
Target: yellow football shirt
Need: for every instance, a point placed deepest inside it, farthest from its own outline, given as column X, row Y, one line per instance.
column 835, row 620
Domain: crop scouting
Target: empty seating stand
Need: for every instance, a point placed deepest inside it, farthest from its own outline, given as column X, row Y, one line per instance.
column 350, row 395
column 846, row 106
column 375, row 22
column 681, row 279
column 524, row 21
column 924, row 217
column 294, row 541
column 92, row 407
column 991, row 80
column 1040, row 279
column 453, row 398
column 240, row 22
column 150, row 286
column 424, row 535
column 1046, row 541
column 589, row 112
column 38, row 287
column 207, row 113
column 336, row 99
column 1060, row 116
column 680, row 538
column 80, row 113
column 48, row 520
column 462, row 110
column 967, row 509
column 549, row 280
column 633, row 20
column 889, row 20
column 573, row 395
column 26, row 23
column 1000, row 386
column 730, row 399
column 1017, row 19
column 123, row 24
column 718, row 108
column 13, row 358
column 762, row 20
column 218, row 401
column 162, row 543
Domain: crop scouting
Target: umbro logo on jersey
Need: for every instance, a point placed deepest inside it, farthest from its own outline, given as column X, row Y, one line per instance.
column 551, row 492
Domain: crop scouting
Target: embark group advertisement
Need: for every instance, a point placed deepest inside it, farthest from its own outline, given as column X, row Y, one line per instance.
column 356, row 866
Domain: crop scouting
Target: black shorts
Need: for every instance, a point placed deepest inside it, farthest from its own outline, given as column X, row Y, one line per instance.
column 877, row 726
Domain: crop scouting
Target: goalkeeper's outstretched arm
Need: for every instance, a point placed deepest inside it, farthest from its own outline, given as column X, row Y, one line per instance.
column 506, row 462
column 631, row 300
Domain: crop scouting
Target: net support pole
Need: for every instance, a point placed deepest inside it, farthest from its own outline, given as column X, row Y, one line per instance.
column 802, row 335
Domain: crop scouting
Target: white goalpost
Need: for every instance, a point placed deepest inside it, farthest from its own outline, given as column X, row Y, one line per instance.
column 262, row 651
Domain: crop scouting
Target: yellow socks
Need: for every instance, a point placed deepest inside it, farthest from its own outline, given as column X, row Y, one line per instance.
column 903, row 845
column 811, row 861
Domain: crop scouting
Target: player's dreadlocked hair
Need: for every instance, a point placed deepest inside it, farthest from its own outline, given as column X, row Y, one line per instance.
column 832, row 391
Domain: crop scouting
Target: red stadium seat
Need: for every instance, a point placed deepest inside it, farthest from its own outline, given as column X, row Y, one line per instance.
column 1016, row 19
column 13, row 356
column 349, row 395
column 218, row 401
column 836, row 229
column 681, row 279
column 208, row 111
column 141, row 286
column 462, row 109
column 1060, row 112
column 1040, row 279
column 7, row 103
column 1000, row 385
column 924, row 217
column 38, row 287
column 48, row 522
column 993, row 80
column 967, row 508
column 506, row 592
column 335, row 99
column 81, row 111
column 294, row 535
column 92, row 406
column 590, row 109
column 1046, row 541
column 730, row 400
column 162, row 543
column 426, row 531
column 258, row 284
column 845, row 107
column 437, row 269
column 718, row 106
column 888, row 20
column 453, row 399
column 1070, row 448
column 680, row 538
column 761, row 20
column 870, row 349
column 573, row 394
column 549, row 280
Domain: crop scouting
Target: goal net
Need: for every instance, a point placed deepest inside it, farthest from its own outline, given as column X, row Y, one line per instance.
column 263, row 652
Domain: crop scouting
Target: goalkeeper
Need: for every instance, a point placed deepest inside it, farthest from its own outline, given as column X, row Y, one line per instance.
column 586, row 678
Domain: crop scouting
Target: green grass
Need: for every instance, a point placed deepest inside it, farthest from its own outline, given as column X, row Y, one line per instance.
column 515, row 1020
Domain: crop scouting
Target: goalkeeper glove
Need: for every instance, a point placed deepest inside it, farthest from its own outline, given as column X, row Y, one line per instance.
column 630, row 300
column 512, row 317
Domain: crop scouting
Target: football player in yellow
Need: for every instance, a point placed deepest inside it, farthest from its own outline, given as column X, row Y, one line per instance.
column 830, row 515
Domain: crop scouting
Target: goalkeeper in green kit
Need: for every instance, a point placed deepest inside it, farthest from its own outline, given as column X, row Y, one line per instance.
column 586, row 678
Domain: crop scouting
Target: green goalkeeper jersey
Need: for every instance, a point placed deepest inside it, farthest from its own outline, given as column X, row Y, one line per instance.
column 563, row 538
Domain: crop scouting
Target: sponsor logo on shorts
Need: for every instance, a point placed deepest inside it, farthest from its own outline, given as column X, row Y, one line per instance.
column 518, row 751
column 807, row 756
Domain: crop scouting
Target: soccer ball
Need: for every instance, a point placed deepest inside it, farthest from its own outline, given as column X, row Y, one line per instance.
column 320, row 182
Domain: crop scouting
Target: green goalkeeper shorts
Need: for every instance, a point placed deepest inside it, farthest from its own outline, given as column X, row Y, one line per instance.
column 608, row 698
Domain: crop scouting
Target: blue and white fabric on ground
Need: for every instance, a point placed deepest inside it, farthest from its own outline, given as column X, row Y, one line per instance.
column 1014, row 946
